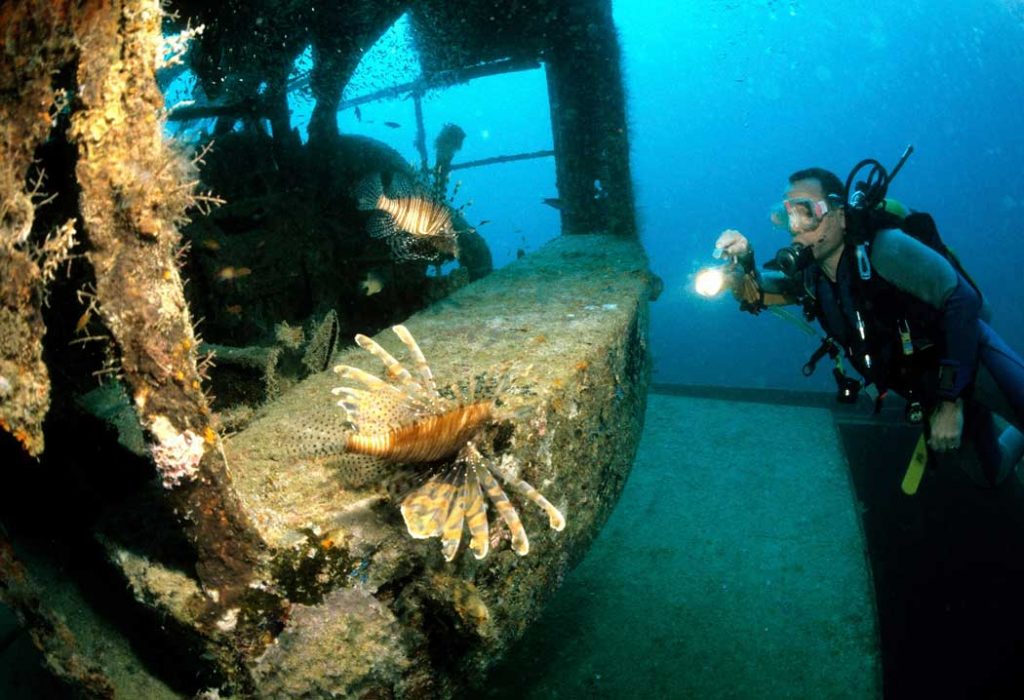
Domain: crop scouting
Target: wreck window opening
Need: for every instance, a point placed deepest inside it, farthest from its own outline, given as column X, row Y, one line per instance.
column 504, row 172
column 504, row 116
column 182, row 92
column 300, row 98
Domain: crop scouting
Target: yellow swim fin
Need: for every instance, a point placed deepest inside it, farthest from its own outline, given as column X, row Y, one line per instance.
column 915, row 469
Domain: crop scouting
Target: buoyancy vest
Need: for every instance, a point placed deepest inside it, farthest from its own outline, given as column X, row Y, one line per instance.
column 890, row 336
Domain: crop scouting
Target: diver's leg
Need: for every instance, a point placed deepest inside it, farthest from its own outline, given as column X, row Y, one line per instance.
column 981, row 432
column 1000, row 386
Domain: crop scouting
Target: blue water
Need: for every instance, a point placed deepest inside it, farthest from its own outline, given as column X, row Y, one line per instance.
column 725, row 99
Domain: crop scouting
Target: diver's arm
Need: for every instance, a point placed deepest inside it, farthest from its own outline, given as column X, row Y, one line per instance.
column 755, row 290
column 915, row 268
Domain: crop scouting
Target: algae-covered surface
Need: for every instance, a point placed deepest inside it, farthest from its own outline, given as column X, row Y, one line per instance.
column 559, row 317
column 348, row 585
column 725, row 571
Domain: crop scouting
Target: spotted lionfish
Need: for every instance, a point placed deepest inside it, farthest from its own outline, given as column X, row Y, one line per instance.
column 413, row 223
column 406, row 421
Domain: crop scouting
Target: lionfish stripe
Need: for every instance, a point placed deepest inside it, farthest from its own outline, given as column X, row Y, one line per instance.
column 476, row 514
column 555, row 517
column 426, row 440
column 417, row 355
column 394, row 368
column 520, row 543
column 426, row 508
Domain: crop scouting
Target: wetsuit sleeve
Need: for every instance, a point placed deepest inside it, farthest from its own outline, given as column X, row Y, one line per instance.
column 774, row 282
column 915, row 268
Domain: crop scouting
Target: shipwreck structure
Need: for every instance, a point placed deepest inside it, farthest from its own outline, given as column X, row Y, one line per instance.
column 157, row 541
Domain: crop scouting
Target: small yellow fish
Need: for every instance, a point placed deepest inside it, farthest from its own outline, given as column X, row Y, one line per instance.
column 233, row 273
column 210, row 244
column 371, row 284
column 83, row 320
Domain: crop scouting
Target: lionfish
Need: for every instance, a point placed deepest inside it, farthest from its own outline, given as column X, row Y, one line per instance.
column 406, row 422
column 413, row 223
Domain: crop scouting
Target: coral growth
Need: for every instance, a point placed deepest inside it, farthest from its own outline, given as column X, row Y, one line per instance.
column 406, row 421
column 176, row 455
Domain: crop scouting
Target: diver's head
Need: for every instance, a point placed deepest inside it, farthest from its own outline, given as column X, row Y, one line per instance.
column 812, row 212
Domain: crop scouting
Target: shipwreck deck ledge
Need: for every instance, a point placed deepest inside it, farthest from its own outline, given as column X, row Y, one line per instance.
column 368, row 600
column 560, row 316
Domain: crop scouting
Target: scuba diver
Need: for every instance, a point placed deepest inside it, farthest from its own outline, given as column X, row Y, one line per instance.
column 893, row 299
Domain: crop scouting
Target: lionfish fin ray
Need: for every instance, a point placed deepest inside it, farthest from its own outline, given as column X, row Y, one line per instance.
column 392, row 366
column 555, row 518
column 418, row 357
column 476, row 513
column 520, row 543
column 425, row 509
column 368, row 192
column 454, row 524
column 372, row 382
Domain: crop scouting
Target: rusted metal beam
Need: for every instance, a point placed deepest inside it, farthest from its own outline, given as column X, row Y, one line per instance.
column 500, row 159
column 135, row 191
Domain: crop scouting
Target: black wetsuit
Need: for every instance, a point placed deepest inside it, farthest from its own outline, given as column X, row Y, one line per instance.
column 925, row 334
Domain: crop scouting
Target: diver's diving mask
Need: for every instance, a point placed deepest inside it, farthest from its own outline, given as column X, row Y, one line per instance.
column 801, row 214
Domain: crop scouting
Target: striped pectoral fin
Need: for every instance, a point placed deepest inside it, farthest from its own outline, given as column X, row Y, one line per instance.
column 555, row 518
column 394, row 368
column 381, row 224
column 350, row 401
column 371, row 382
column 425, row 510
column 454, row 524
column 520, row 543
column 476, row 514
column 418, row 357
column 368, row 193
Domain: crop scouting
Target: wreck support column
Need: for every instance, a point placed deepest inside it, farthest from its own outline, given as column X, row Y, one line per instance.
column 135, row 190
column 588, row 123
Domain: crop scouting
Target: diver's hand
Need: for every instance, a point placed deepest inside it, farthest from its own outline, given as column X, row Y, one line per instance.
column 947, row 424
column 732, row 243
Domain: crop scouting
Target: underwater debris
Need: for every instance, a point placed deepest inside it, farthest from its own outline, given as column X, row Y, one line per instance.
column 406, row 421
column 291, row 337
column 415, row 225
column 323, row 342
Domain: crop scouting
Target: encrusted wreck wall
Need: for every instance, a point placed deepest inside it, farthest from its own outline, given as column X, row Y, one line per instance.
column 89, row 68
column 370, row 611
column 283, row 581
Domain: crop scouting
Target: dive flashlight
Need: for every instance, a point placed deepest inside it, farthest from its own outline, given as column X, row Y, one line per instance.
column 711, row 281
